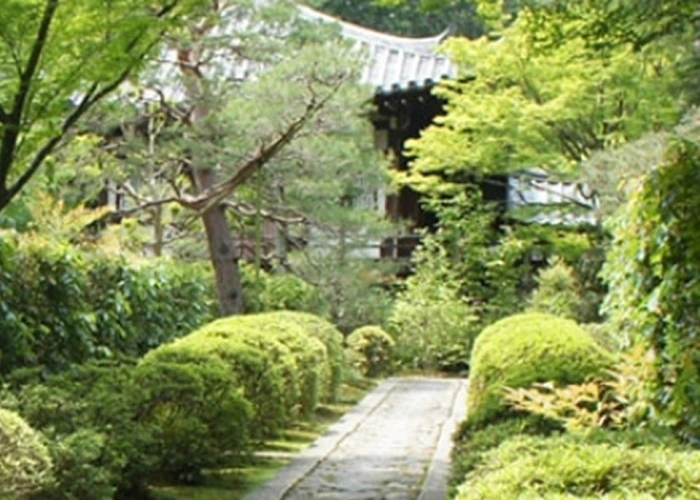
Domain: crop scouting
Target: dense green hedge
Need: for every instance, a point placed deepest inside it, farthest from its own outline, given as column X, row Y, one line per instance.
column 572, row 467
column 59, row 305
column 523, row 349
column 652, row 273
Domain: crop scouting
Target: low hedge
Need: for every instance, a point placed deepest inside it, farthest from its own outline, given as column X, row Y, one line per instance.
column 25, row 465
column 527, row 348
column 471, row 444
column 267, row 381
column 571, row 467
column 267, row 331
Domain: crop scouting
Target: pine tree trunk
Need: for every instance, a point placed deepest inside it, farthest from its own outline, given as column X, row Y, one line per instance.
column 222, row 251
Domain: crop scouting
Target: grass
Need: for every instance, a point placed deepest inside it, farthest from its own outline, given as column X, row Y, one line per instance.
column 236, row 482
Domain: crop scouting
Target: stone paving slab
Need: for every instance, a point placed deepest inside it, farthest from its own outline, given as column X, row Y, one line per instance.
column 394, row 445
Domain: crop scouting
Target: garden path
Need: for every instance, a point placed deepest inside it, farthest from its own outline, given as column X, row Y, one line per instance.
column 394, row 445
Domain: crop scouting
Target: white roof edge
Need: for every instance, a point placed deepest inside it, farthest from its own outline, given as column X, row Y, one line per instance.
column 425, row 46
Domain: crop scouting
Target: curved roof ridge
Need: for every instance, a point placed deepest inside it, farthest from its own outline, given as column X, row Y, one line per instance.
column 422, row 46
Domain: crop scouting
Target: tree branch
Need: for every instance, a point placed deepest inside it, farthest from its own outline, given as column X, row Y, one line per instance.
column 91, row 97
column 14, row 119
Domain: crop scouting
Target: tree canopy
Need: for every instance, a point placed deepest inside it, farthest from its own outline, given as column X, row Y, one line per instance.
column 58, row 58
column 556, row 84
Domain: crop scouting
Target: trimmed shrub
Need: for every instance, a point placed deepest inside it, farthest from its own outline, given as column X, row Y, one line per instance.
column 374, row 346
column 331, row 337
column 568, row 467
column 25, row 465
column 524, row 349
column 267, row 381
column 279, row 365
column 265, row 331
column 198, row 418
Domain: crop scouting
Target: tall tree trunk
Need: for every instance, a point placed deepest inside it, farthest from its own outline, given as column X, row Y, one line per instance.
column 222, row 250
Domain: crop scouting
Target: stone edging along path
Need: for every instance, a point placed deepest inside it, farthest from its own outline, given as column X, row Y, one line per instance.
column 394, row 445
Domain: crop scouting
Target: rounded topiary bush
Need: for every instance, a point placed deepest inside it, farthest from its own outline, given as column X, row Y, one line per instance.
column 374, row 346
column 267, row 331
column 25, row 464
column 267, row 376
column 570, row 467
column 526, row 348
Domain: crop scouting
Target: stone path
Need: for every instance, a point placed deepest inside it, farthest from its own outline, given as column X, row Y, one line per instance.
column 394, row 445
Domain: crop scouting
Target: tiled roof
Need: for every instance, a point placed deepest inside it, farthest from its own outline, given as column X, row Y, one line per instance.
column 394, row 63
column 556, row 202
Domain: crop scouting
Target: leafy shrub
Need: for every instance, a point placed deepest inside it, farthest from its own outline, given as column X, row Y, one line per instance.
column 324, row 331
column 620, row 401
column 557, row 292
column 84, row 467
column 375, row 346
column 25, row 465
column 113, row 428
column 277, row 291
column 89, row 415
column 433, row 327
column 567, row 467
column 60, row 305
column 471, row 443
column 526, row 348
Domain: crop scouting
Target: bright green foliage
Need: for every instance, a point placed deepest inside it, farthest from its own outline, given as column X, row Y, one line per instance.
column 556, row 86
column 25, row 464
column 557, row 292
column 471, row 444
column 324, row 331
column 566, row 467
column 60, row 305
column 652, row 272
column 58, row 58
column 432, row 325
column 374, row 346
column 523, row 349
